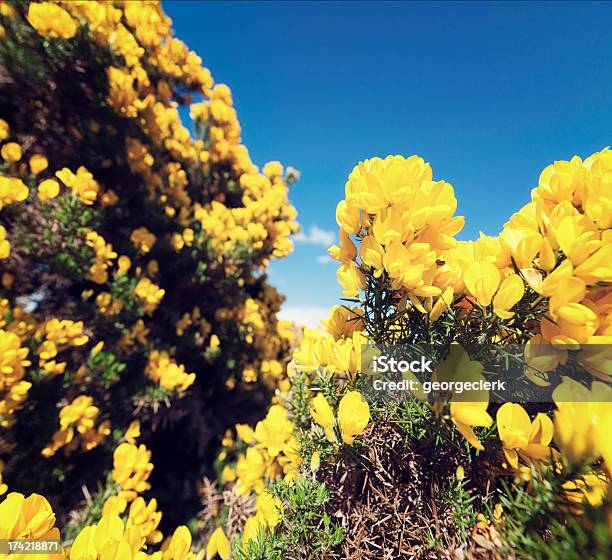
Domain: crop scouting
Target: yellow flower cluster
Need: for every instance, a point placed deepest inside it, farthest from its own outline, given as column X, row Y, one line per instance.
column 58, row 334
column 143, row 239
column 560, row 246
column 404, row 221
column 13, row 388
column 150, row 294
column 78, row 426
column 341, row 355
column 104, row 255
column 28, row 518
column 12, row 189
column 583, row 421
column 5, row 245
column 32, row 518
column 165, row 371
column 353, row 416
column 272, row 451
column 81, row 183
column 50, row 20
column 131, row 470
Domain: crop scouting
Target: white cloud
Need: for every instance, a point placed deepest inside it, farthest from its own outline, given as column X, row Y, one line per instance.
column 316, row 236
column 323, row 259
column 304, row 316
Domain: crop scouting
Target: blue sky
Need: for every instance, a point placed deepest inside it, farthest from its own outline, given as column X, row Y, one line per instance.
column 488, row 93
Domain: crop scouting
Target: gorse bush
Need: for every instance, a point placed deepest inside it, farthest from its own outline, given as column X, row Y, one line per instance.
column 135, row 312
column 455, row 478
column 146, row 382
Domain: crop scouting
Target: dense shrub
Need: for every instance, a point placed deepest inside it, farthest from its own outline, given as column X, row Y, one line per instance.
column 134, row 298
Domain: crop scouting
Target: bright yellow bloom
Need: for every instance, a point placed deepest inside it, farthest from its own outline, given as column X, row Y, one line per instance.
column 146, row 518
column 270, row 509
column 170, row 375
column 4, row 130
column 323, row 415
column 578, row 237
column 372, row 254
column 482, row 280
column 50, row 20
column 12, row 190
column 27, row 518
column 466, row 415
column 250, row 470
column 273, row 169
column 351, row 279
column 3, row 485
column 11, row 152
column 510, row 292
column 131, row 469
column 124, row 263
column 523, row 243
column 218, row 544
column 143, row 239
column 344, row 321
column 13, row 359
column 347, row 250
column 598, row 266
column 348, row 217
column 133, row 431
column 389, row 227
column 254, row 525
column 5, row 245
column 38, row 163
column 315, row 461
column 180, row 543
column 521, row 436
column 149, row 293
column 245, row 433
column 48, row 189
column 82, row 184
column 583, row 422
column 275, row 430
column 114, row 505
column 214, row 342
column 353, row 416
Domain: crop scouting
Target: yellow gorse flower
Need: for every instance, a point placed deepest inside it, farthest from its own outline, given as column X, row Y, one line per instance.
column 48, row 189
column 50, row 20
column 81, row 183
column 5, row 130
column 218, row 544
column 521, row 436
column 150, row 294
column 143, row 239
column 27, row 518
column 5, row 245
column 406, row 221
column 353, row 416
column 168, row 373
column 38, row 163
column 12, row 189
column 11, row 152
column 131, row 469
column 323, row 415
column 583, row 421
